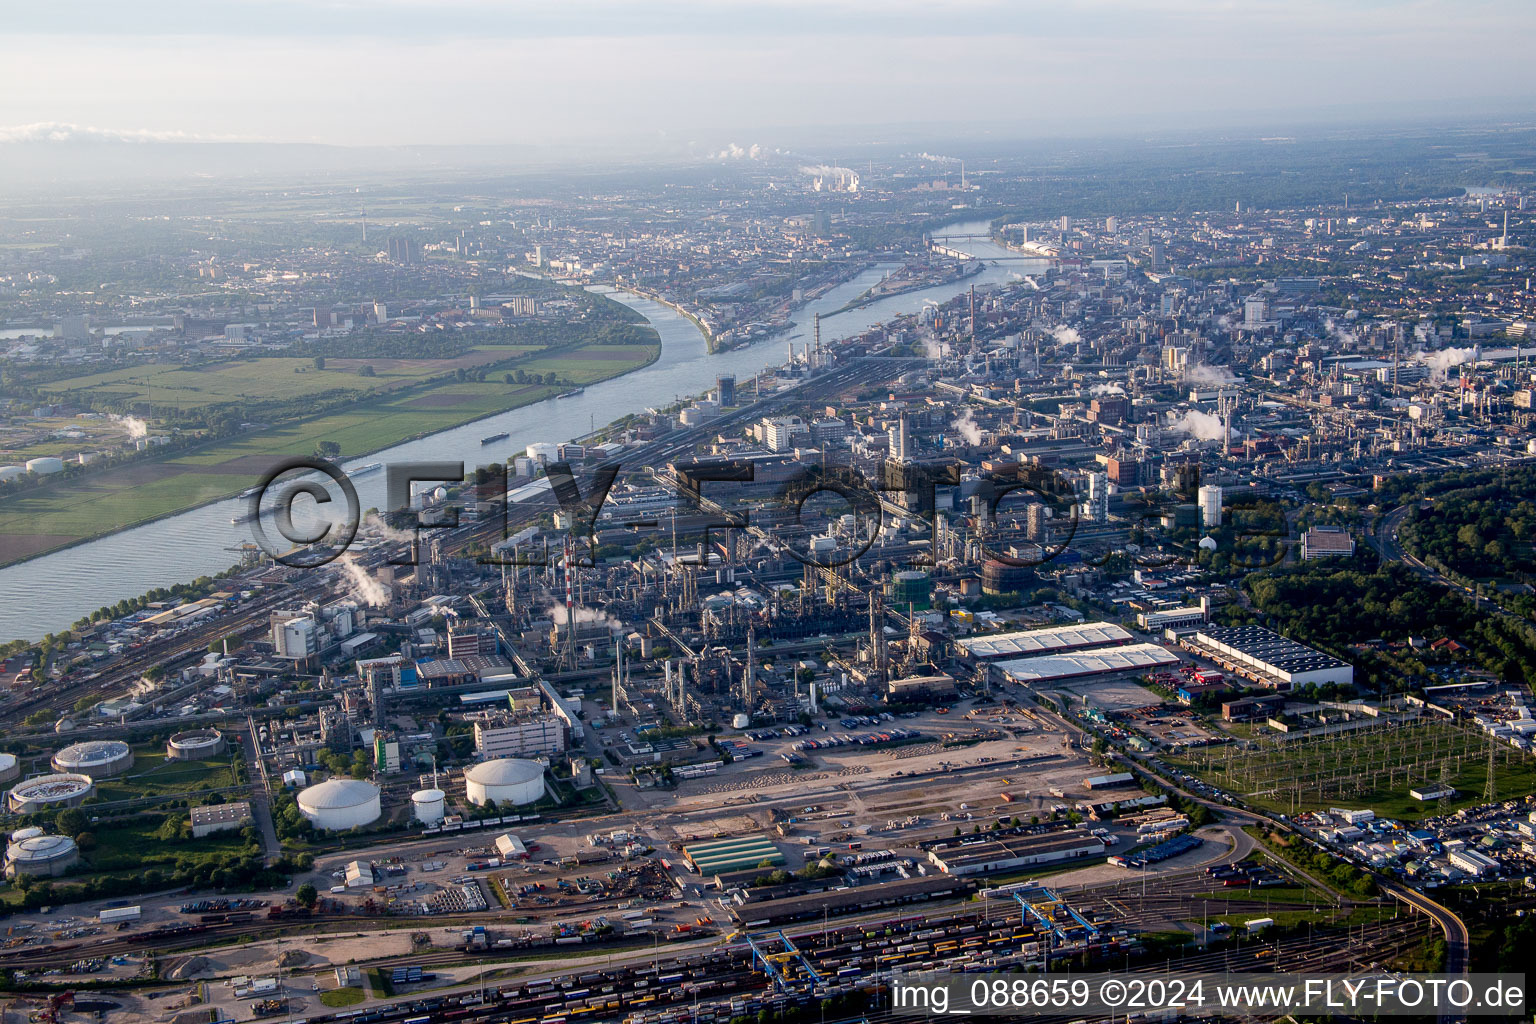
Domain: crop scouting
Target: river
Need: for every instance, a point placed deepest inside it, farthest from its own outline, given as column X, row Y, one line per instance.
column 49, row 593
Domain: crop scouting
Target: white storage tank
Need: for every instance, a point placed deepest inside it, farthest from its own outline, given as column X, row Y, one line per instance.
column 195, row 745
column 427, row 805
column 505, row 780
column 100, row 759
column 45, row 465
column 741, row 721
column 11, row 472
column 543, row 451
column 337, row 804
column 10, row 768
column 50, row 792
column 41, row 856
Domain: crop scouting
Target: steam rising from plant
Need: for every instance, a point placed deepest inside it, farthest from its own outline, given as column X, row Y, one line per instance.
column 1203, row 425
column 965, row 425
column 365, row 588
column 137, row 428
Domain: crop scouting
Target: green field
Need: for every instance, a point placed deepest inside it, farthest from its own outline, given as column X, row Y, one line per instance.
column 153, row 774
column 49, row 518
column 264, row 380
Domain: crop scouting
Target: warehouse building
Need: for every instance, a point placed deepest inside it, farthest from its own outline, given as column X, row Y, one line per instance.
column 1265, row 657
column 998, row 855
column 719, row 855
column 861, row 898
column 1109, row 661
column 1043, row 641
column 220, row 818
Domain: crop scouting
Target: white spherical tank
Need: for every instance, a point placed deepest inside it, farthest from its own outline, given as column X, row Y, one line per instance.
column 50, row 792
column 505, row 780
column 45, row 465
column 10, row 768
column 427, row 805
column 11, row 472
column 337, row 804
column 741, row 721
column 100, row 759
column 41, row 856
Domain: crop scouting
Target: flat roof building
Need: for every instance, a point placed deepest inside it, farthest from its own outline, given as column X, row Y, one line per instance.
column 1327, row 542
column 1269, row 659
column 711, row 858
column 219, row 818
column 1043, row 641
column 1110, row 660
column 1006, row 854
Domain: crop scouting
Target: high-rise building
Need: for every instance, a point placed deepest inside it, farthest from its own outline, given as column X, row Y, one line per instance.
column 402, row 251
column 780, row 434
column 1111, row 224
column 726, row 384
column 1210, row 505
column 1035, row 521
column 295, row 635
column 900, row 443
column 1096, row 507
column 1255, row 310
column 1066, row 224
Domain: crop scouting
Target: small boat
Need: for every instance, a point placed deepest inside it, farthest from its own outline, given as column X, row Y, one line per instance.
column 249, row 492
column 242, row 517
column 572, row 393
column 494, row 438
column 372, row 467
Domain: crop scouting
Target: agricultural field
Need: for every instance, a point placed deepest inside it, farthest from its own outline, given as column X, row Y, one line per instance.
column 264, row 380
column 91, row 504
column 1372, row 767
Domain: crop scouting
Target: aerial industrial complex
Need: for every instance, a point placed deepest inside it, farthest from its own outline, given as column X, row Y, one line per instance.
column 991, row 588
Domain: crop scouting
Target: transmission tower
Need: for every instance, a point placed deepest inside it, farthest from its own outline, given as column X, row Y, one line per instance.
column 1490, row 791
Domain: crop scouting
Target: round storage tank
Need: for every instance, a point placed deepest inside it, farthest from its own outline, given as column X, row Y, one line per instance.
column 11, row 472
column 100, row 759
column 10, row 768
column 50, row 792
column 506, row 780
column 427, row 805
column 195, row 745
column 45, row 465
column 40, row 856
column 337, row 804
column 1002, row 578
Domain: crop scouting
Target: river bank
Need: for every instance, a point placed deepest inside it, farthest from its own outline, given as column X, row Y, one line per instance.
column 78, row 511
column 47, row 593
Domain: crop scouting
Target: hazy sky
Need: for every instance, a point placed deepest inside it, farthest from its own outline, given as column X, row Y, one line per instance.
column 711, row 72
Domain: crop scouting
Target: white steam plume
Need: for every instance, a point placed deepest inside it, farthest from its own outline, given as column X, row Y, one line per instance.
column 1207, row 374
column 583, row 614
column 365, row 588
column 136, row 427
column 735, row 152
column 1106, row 389
column 1441, row 363
column 1206, row 426
column 933, row 349
column 965, row 425
column 1066, row 336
